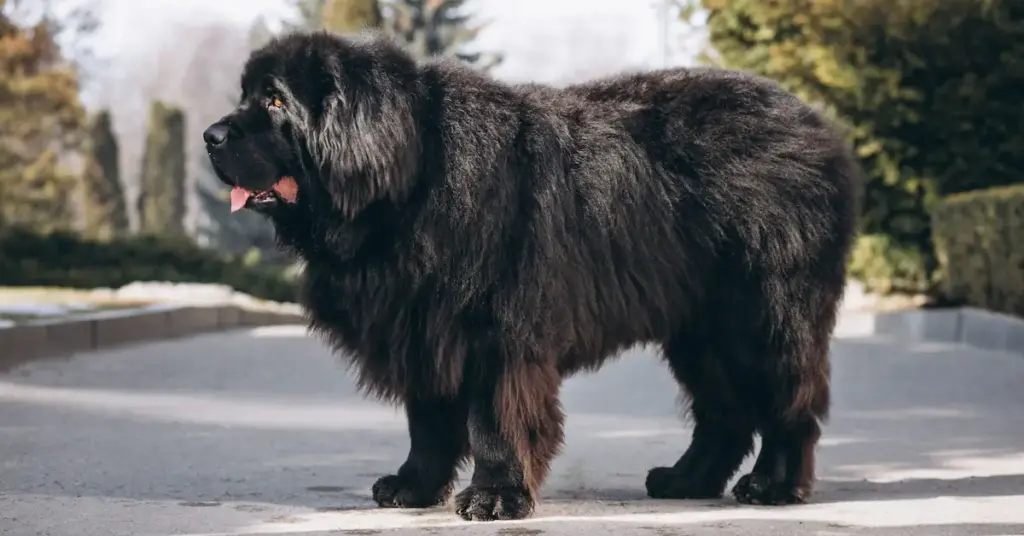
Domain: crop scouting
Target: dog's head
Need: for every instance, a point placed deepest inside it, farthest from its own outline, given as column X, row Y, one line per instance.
column 323, row 122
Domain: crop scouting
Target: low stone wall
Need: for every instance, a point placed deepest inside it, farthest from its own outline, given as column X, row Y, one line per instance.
column 959, row 325
column 45, row 339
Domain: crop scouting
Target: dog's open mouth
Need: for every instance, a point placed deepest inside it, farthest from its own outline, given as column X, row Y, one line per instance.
column 285, row 189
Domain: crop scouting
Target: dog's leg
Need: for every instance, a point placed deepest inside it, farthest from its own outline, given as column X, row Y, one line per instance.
column 515, row 429
column 803, row 317
column 438, row 444
column 724, row 431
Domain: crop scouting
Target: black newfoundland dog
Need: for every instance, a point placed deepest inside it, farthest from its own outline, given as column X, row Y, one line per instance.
column 469, row 244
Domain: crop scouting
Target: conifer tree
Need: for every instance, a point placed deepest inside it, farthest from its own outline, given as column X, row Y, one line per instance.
column 104, row 202
column 162, row 180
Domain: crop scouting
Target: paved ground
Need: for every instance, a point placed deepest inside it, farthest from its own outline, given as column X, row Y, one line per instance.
column 260, row 432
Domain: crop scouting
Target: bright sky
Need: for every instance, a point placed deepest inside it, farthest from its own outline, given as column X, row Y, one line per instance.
column 132, row 22
column 542, row 39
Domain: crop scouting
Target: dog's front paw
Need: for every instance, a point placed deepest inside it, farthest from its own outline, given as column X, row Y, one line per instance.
column 394, row 491
column 493, row 503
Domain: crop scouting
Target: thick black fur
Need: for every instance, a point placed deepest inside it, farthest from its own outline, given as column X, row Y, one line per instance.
column 469, row 244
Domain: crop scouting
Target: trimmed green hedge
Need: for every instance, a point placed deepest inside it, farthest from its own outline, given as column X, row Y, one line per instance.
column 66, row 259
column 979, row 240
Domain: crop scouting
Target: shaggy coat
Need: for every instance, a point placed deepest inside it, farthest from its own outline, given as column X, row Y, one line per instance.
column 468, row 244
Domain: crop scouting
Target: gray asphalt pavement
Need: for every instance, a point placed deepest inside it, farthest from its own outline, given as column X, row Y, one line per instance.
column 261, row 432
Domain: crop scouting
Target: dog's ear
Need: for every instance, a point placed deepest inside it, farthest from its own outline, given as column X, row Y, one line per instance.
column 366, row 145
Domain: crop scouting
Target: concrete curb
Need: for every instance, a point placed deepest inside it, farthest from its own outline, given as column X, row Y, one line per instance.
column 961, row 325
column 46, row 339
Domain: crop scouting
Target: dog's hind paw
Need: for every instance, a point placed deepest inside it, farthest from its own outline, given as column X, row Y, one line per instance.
column 672, row 483
column 756, row 488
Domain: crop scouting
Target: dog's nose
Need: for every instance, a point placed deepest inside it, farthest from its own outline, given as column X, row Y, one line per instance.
column 216, row 134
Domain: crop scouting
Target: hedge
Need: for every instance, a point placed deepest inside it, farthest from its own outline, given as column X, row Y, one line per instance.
column 65, row 259
column 979, row 241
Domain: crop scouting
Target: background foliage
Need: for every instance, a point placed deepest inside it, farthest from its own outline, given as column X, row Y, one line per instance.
column 41, row 119
column 929, row 93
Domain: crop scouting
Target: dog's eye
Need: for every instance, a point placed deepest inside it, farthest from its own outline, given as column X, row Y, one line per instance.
column 275, row 102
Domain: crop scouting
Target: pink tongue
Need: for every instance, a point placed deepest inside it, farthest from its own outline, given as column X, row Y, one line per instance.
column 239, row 196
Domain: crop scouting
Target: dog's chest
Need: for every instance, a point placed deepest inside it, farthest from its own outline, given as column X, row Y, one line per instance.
column 355, row 304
